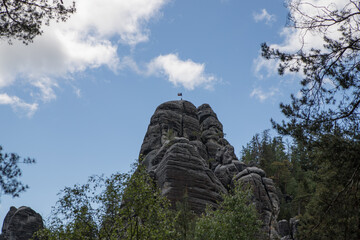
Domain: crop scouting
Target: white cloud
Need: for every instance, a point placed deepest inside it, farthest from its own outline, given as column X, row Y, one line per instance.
column 107, row 18
column 305, row 39
column 264, row 16
column 89, row 39
column 261, row 95
column 264, row 67
column 18, row 105
column 187, row 73
column 45, row 86
column 77, row 91
column 300, row 39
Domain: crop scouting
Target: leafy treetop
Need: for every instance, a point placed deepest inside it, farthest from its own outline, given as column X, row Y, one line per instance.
column 23, row 19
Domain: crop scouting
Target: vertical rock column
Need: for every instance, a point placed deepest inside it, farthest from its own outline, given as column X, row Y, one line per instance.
column 184, row 149
column 21, row 224
column 178, row 160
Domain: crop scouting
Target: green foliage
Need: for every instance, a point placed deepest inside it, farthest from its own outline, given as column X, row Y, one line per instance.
column 145, row 210
column 24, row 19
column 196, row 135
column 10, row 172
column 211, row 160
column 235, row 218
column 185, row 219
column 330, row 88
column 264, row 151
column 334, row 210
column 123, row 206
column 170, row 135
column 130, row 206
column 288, row 165
column 325, row 119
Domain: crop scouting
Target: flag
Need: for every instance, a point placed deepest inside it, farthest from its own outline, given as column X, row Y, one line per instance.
column 179, row 94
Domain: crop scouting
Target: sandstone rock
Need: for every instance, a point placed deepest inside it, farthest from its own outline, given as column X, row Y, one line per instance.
column 294, row 224
column 184, row 149
column 264, row 197
column 182, row 170
column 239, row 165
column 225, row 174
column 284, row 229
column 288, row 230
column 21, row 224
column 249, row 170
column 171, row 119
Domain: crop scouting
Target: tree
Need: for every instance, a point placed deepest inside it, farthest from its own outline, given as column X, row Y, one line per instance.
column 23, row 19
column 123, row 206
column 287, row 166
column 325, row 118
column 334, row 209
column 185, row 219
column 146, row 212
column 301, row 186
column 331, row 84
column 236, row 218
column 10, row 173
column 265, row 152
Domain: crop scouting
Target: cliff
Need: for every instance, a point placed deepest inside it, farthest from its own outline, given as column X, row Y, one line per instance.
column 185, row 151
column 20, row 224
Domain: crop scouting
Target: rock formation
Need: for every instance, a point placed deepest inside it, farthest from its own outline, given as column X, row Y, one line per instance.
column 184, row 149
column 284, row 229
column 20, row 224
column 288, row 229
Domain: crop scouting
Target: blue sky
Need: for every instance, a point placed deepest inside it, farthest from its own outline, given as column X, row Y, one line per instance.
column 79, row 99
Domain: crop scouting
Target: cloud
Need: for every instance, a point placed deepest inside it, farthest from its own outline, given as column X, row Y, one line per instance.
column 107, row 18
column 77, row 92
column 306, row 39
column 89, row 39
column 45, row 86
column 261, row 95
column 18, row 105
column 264, row 16
column 187, row 73
column 299, row 39
column 264, row 68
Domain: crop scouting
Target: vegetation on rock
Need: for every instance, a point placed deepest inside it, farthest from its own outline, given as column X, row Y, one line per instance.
column 236, row 218
column 130, row 206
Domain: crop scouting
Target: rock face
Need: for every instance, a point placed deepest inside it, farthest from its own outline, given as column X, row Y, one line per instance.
column 288, row 230
column 20, row 224
column 184, row 149
column 264, row 197
column 179, row 161
column 284, row 229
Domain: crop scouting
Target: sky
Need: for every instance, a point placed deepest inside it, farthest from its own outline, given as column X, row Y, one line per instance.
column 80, row 97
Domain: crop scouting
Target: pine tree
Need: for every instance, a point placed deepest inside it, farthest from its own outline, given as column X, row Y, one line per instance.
column 23, row 20
column 325, row 118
